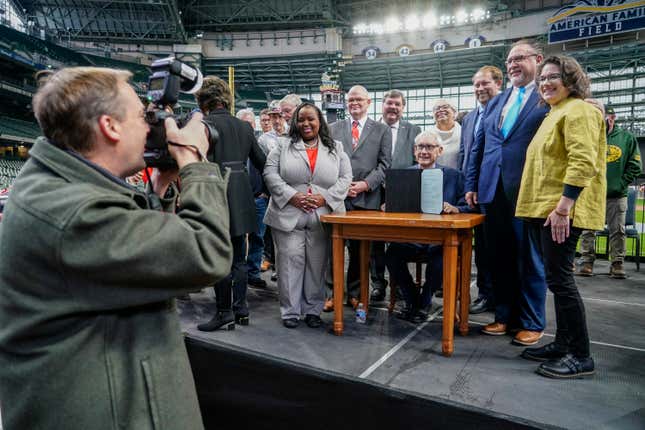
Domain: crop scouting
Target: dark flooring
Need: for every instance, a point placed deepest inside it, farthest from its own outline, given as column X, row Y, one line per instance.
column 484, row 371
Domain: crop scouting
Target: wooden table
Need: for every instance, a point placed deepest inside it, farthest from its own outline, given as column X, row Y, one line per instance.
column 454, row 232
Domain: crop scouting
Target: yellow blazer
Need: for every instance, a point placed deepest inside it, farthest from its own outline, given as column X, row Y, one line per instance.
column 570, row 147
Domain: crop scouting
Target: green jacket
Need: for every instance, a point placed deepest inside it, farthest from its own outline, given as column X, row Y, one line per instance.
column 623, row 162
column 89, row 334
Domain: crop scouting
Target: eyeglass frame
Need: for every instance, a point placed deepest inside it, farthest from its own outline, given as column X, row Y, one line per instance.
column 550, row 78
column 518, row 58
column 427, row 146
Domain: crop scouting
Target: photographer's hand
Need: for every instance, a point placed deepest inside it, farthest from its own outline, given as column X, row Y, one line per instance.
column 189, row 144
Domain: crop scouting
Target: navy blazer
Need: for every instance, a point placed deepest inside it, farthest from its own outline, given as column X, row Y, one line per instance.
column 467, row 138
column 494, row 156
column 453, row 187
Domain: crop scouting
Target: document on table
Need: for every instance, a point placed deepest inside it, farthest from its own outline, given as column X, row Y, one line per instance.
column 432, row 191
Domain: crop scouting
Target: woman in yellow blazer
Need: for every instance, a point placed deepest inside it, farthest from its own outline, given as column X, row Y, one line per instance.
column 563, row 191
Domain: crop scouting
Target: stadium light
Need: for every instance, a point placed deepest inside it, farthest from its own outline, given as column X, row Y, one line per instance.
column 429, row 20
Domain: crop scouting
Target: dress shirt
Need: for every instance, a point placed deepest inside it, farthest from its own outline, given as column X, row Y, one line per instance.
column 395, row 131
column 511, row 100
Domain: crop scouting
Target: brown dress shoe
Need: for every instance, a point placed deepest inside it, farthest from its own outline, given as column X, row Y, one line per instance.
column 328, row 306
column 353, row 302
column 495, row 329
column 527, row 337
column 265, row 266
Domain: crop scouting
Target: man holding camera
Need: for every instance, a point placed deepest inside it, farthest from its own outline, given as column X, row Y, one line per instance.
column 89, row 265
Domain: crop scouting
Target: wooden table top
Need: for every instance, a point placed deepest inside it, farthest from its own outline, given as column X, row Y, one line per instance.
column 376, row 218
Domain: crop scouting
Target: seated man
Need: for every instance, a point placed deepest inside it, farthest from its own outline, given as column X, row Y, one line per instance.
column 427, row 148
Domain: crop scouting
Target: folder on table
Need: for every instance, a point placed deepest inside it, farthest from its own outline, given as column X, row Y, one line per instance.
column 414, row 190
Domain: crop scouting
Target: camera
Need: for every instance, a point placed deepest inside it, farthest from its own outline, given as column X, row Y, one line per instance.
column 169, row 77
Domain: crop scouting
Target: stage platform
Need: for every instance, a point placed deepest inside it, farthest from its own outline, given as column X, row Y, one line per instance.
column 391, row 372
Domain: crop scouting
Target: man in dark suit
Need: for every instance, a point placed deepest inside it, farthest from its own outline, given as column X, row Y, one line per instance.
column 509, row 123
column 427, row 149
column 487, row 83
column 369, row 146
column 236, row 144
column 403, row 134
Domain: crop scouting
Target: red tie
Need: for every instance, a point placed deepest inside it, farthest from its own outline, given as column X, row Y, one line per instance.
column 355, row 134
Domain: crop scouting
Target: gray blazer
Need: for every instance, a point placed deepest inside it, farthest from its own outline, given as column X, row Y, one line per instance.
column 403, row 156
column 370, row 159
column 287, row 171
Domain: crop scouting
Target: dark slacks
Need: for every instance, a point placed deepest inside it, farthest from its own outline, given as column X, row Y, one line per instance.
column 235, row 281
column 397, row 257
column 519, row 286
column 571, row 333
column 482, row 255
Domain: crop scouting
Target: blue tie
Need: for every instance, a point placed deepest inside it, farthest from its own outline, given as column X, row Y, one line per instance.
column 513, row 112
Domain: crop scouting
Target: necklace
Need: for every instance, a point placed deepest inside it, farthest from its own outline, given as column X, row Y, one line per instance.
column 311, row 145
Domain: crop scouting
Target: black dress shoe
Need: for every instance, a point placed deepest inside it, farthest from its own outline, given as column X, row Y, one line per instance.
column 242, row 319
column 566, row 367
column 378, row 294
column 406, row 313
column 544, row 353
column 257, row 282
column 421, row 315
column 482, row 304
column 221, row 320
column 313, row 321
column 291, row 322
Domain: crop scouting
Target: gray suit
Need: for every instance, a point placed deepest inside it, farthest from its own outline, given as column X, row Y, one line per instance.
column 302, row 244
column 372, row 157
column 403, row 156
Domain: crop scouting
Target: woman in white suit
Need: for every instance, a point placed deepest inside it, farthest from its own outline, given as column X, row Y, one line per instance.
column 308, row 175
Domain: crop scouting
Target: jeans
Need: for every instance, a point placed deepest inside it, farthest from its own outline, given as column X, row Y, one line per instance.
column 256, row 240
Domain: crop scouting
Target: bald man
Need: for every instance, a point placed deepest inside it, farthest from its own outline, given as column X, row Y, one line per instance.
column 369, row 146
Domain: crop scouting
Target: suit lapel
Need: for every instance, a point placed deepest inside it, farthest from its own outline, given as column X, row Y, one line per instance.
column 497, row 113
column 299, row 146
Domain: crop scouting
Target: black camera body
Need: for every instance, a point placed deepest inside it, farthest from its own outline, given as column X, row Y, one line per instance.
column 169, row 78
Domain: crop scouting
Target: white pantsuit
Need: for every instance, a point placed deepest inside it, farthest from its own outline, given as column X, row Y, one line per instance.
column 301, row 241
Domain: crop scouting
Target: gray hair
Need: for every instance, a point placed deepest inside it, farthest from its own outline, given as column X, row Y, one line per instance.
column 291, row 99
column 430, row 135
column 242, row 113
column 444, row 102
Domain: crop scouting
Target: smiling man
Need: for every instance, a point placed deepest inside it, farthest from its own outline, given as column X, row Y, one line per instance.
column 493, row 177
column 487, row 83
column 369, row 146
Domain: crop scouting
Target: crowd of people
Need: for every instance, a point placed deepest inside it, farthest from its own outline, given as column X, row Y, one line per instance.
column 96, row 307
column 533, row 158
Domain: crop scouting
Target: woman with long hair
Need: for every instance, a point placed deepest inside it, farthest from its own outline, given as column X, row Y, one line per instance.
column 308, row 174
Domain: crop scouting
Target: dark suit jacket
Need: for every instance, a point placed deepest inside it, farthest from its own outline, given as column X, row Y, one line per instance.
column 467, row 138
column 404, row 148
column 236, row 144
column 495, row 157
column 370, row 159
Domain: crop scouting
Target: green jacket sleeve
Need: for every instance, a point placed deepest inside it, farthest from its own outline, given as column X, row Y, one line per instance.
column 634, row 164
column 114, row 254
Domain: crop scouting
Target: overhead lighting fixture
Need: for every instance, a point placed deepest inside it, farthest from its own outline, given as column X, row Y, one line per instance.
column 412, row 23
column 415, row 22
column 429, row 20
column 392, row 25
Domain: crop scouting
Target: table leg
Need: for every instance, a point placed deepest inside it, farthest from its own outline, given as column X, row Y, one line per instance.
column 466, row 248
column 365, row 273
column 450, row 248
column 338, row 253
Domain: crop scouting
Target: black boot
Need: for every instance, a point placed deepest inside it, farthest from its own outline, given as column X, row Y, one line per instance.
column 224, row 318
column 221, row 320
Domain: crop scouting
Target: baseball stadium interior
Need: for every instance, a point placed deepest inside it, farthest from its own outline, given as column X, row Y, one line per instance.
column 386, row 373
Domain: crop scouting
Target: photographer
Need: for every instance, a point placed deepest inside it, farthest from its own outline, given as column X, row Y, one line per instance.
column 237, row 145
column 90, row 338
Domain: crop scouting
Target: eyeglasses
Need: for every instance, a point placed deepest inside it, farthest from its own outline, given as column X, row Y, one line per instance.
column 441, row 107
column 552, row 77
column 518, row 58
column 424, row 147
